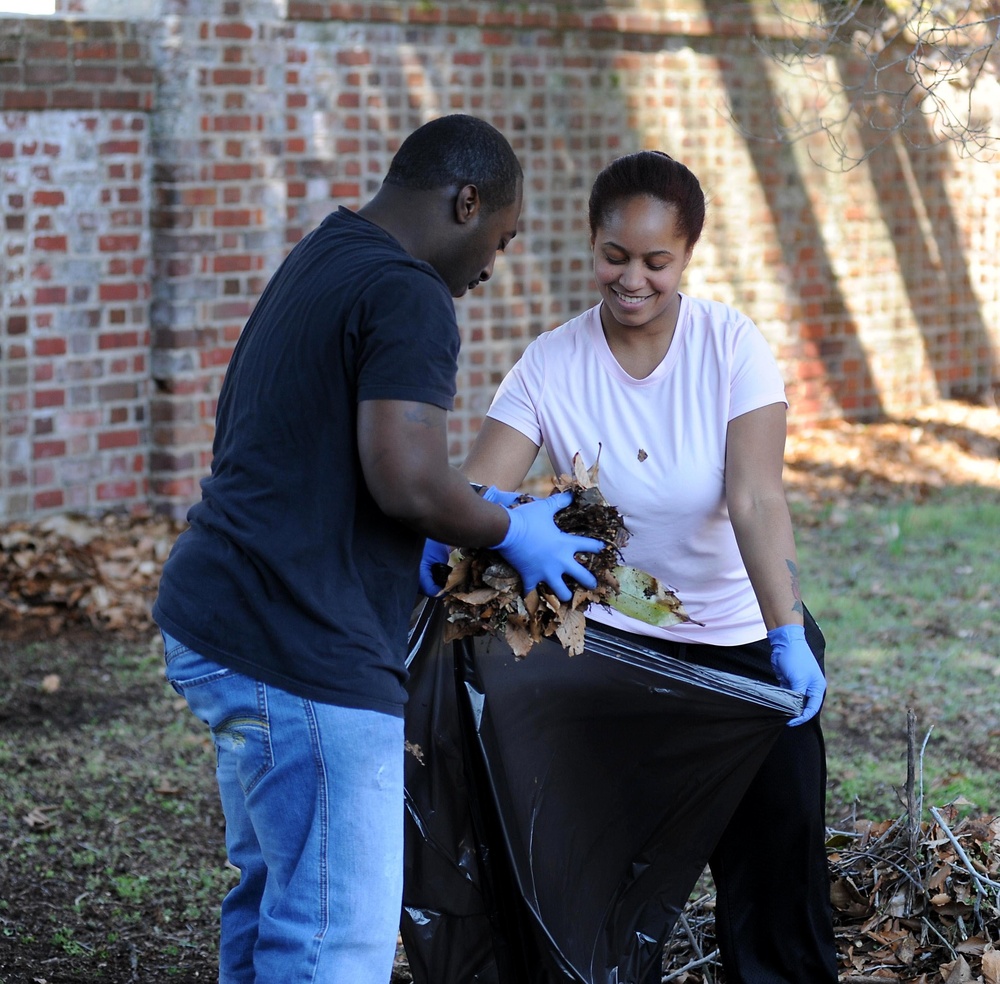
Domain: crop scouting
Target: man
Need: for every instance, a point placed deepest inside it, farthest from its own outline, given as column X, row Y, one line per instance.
column 284, row 607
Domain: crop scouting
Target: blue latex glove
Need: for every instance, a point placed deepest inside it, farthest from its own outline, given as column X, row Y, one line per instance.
column 501, row 498
column 796, row 668
column 434, row 553
column 539, row 551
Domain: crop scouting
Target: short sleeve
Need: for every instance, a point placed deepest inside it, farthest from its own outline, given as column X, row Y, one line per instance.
column 520, row 393
column 407, row 339
column 755, row 380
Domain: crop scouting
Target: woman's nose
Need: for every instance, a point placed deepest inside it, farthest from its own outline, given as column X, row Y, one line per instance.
column 632, row 277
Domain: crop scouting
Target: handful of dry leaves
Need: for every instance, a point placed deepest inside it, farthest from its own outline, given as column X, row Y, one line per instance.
column 483, row 592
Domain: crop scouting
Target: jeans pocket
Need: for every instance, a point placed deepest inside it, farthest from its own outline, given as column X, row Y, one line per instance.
column 243, row 744
column 234, row 707
column 185, row 668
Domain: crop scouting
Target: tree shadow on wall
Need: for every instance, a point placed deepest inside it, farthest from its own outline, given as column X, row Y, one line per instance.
column 916, row 207
column 823, row 315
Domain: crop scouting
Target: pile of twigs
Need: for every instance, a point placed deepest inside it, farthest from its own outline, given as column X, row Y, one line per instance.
column 691, row 954
column 915, row 901
column 919, row 902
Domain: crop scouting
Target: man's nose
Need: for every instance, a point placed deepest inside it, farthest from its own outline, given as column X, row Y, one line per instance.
column 487, row 271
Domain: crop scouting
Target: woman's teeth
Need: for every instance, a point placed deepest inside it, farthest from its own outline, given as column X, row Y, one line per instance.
column 630, row 300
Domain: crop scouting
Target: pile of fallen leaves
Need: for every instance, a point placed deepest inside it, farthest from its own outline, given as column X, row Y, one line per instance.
column 947, row 443
column 482, row 592
column 70, row 570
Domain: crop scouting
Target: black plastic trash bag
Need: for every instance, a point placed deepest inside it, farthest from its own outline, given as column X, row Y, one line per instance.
column 561, row 809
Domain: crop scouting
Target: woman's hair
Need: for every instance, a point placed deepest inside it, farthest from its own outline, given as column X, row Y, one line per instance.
column 454, row 151
column 656, row 175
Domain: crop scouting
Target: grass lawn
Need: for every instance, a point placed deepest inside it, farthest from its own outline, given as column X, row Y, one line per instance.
column 907, row 597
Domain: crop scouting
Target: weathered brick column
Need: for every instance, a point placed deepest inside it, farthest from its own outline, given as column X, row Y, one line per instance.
column 218, row 220
column 76, row 282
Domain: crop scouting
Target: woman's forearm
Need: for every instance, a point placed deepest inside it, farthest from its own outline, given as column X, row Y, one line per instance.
column 763, row 530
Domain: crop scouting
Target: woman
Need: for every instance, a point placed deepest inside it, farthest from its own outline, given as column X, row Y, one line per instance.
column 684, row 403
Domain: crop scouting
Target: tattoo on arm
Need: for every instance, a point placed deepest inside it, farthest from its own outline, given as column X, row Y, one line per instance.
column 793, row 569
column 418, row 416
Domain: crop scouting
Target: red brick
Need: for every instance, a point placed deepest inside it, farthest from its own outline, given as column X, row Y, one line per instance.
column 36, row 51
column 73, row 99
column 45, row 73
column 117, row 439
column 13, row 100
column 51, row 244
column 95, row 74
column 118, row 244
column 51, row 499
column 239, row 32
column 41, row 450
column 119, row 99
column 50, row 295
column 231, row 264
column 354, row 57
column 232, row 76
column 47, row 347
column 110, row 147
column 118, row 292
column 93, row 50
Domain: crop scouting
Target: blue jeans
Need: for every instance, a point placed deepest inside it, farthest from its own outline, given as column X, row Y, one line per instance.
column 313, row 799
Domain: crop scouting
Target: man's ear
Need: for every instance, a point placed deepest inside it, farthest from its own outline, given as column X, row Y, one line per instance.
column 467, row 204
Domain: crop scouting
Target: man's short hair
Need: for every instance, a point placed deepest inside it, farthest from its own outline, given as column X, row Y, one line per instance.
column 454, row 151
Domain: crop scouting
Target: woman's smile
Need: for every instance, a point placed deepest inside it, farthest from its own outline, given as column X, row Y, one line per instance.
column 630, row 300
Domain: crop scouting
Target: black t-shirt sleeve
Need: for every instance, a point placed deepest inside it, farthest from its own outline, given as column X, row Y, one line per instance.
column 407, row 340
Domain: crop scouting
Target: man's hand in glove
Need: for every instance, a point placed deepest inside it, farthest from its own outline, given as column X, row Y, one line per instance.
column 796, row 668
column 501, row 498
column 435, row 553
column 539, row 551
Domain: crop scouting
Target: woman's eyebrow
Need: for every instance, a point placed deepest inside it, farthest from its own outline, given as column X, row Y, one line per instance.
column 652, row 252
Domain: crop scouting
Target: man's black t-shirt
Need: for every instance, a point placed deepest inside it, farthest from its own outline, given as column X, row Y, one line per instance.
column 289, row 572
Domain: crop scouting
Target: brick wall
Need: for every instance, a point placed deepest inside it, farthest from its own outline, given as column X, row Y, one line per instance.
column 875, row 286
column 74, row 310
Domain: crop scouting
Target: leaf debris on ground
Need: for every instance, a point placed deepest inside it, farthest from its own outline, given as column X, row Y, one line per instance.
column 929, row 914
column 68, row 570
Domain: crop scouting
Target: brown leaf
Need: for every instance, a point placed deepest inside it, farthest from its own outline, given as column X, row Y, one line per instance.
column 956, row 972
column 845, row 897
column 571, row 630
column 38, row 817
column 518, row 638
column 974, row 946
column 991, row 966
